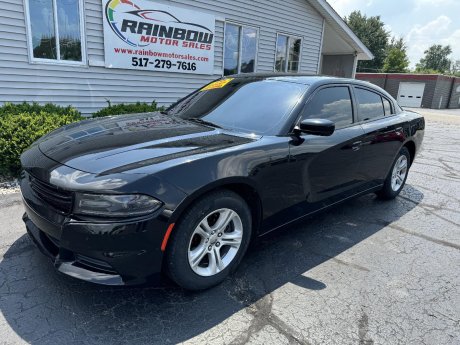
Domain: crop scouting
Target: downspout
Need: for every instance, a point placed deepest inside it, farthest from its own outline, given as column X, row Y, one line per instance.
column 320, row 53
column 355, row 66
column 451, row 93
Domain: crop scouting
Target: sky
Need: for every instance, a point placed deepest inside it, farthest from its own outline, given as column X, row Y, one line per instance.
column 421, row 23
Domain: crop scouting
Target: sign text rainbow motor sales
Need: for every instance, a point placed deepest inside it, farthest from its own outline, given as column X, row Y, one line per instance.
column 160, row 35
column 151, row 33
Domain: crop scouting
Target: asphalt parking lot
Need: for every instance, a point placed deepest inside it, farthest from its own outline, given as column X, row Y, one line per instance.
column 366, row 272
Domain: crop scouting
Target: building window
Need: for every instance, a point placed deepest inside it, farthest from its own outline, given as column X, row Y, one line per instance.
column 55, row 31
column 287, row 53
column 240, row 50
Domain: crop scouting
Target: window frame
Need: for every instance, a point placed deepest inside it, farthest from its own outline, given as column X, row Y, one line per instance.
column 34, row 60
column 328, row 86
column 392, row 108
column 240, row 46
column 289, row 37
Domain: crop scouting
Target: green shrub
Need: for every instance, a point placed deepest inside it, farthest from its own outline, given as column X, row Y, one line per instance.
column 19, row 130
column 14, row 109
column 132, row 108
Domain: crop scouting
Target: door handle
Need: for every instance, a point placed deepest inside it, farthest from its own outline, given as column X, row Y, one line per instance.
column 356, row 145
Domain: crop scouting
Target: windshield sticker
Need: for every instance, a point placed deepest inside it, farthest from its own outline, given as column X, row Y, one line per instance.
column 217, row 84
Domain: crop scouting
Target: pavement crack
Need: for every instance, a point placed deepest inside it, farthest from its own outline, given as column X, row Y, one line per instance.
column 352, row 265
column 262, row 314
column 445, row 178
column 342, row 262
column 286, row 330
column 428, row 209
column 260, row 310
column 425, row 237
column 363, row 329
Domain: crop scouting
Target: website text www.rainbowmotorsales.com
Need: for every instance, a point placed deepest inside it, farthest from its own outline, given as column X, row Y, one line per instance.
column 165, row 62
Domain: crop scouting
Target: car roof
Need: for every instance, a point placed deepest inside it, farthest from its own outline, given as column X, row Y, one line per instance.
column 302, row 78
column 312, row 80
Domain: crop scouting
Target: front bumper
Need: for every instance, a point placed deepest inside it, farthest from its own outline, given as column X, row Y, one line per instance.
column 105, row 252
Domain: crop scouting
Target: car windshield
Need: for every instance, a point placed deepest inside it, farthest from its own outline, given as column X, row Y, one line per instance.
column 244, row 104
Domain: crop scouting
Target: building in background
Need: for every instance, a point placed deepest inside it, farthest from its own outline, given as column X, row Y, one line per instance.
column 418, row 90
column 87, row 52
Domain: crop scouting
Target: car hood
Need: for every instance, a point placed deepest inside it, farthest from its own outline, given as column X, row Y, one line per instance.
column 125, row 143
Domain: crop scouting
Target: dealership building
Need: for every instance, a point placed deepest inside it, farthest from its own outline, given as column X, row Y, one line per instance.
column 88, row 52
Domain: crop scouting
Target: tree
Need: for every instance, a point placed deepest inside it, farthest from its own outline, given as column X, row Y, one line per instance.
column 371, row 31
column 436, row 58
column 396, row 60
column 455, row 68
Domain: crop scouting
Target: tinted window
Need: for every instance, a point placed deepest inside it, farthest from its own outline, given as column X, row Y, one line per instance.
column 244, row 104
column 333, row 104
column 387, row 106
column 370, row 104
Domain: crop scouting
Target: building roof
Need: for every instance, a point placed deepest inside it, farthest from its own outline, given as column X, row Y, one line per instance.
column 339, row 25
column 410, row 76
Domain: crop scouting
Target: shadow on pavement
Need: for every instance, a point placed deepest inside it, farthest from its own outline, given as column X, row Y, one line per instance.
column 43, row 307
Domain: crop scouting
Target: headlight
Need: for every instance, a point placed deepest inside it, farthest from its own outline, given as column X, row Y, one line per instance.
column 115, row 205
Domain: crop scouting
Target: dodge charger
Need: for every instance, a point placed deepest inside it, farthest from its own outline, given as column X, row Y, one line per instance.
column 124, row 200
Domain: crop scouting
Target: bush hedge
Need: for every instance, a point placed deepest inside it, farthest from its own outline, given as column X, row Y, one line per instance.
column 132, row 108
column 22, row 124
column 14, row 109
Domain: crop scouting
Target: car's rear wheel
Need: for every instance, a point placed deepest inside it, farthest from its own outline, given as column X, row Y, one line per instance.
column 397, row 176
column 209, row 241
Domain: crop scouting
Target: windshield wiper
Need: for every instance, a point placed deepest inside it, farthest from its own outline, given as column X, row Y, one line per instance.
column 203, row 122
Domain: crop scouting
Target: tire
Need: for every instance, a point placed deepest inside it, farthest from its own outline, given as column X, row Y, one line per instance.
column 396, row 178
column 193, row 248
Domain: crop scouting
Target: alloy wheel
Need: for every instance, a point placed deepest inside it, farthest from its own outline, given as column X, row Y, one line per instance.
column 215, row 242
column 399, row 173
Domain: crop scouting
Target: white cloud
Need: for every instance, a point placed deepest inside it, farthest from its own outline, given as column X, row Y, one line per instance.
column 421, row 23
column 454, row 41
column 437, row 31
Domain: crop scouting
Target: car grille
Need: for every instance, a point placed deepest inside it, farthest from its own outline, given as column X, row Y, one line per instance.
column 92, row 264
column 58, row 198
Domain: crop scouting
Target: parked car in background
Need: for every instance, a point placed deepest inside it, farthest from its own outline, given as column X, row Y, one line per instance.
column 122, row 200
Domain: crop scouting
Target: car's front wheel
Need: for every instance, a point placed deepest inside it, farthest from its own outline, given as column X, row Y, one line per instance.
column 397, row 176
column 209, row 241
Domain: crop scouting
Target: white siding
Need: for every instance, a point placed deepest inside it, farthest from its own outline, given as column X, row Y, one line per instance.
column 89, row 87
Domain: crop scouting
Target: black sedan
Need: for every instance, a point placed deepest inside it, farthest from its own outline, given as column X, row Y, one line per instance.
column 122, row 200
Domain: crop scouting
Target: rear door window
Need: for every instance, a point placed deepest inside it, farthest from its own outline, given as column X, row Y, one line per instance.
column 332, row 103
column 370, row 105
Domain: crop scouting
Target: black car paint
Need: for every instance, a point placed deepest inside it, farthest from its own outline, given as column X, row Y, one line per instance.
column 286, row 177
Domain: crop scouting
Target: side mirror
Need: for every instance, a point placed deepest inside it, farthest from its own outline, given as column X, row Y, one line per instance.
column 319, row 127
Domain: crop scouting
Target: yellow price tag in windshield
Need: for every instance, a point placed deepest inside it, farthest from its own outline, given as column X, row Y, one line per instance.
column 217, row 84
